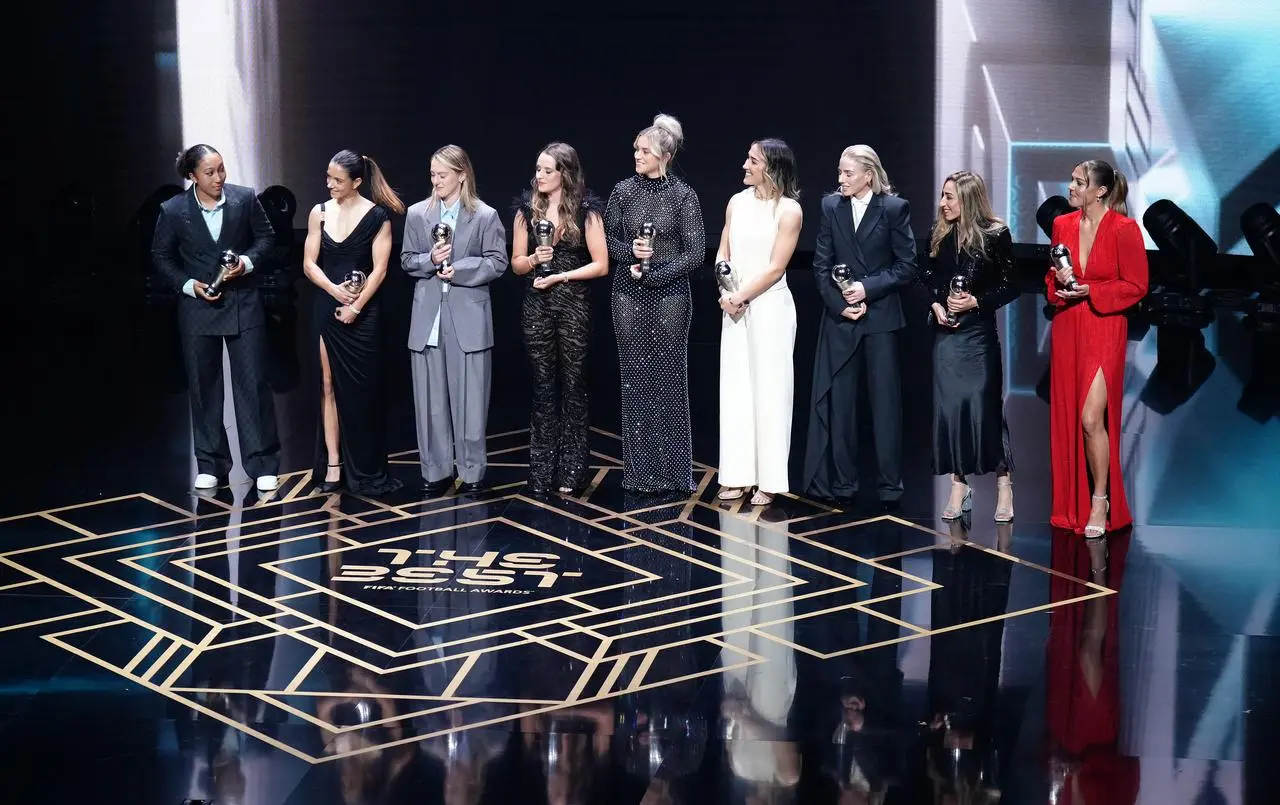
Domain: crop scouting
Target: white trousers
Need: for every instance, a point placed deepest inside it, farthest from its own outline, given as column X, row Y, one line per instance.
column 757, row 389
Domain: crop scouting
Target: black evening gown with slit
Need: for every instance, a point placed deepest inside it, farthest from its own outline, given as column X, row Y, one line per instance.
column 355, row 365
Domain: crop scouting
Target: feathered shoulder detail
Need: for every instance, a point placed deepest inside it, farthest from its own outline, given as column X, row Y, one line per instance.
column 523, row 204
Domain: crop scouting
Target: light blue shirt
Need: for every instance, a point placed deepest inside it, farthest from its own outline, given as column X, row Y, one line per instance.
column 448, row 217
column 213, row 222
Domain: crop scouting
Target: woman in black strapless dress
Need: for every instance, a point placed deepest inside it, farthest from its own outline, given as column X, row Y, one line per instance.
column 347, row 249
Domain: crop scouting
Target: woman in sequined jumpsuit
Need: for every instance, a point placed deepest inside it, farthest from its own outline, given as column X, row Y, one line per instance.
column 651, row 311
column 557, row 313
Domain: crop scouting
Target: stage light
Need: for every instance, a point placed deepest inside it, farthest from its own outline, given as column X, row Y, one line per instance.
column 1178, row 305
column 1052, row 207
column 1260, row 399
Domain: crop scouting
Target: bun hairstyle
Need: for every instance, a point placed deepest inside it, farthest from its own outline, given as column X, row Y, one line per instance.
column 189, row 159
column 1102, row 174
column 665, row 136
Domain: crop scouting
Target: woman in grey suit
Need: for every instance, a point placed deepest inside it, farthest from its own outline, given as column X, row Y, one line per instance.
column 451, row 330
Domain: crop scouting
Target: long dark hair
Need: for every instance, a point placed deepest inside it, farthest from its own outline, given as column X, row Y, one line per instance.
column 572, row 189
column 779, row 169
column 363, row 167
column 189, row 159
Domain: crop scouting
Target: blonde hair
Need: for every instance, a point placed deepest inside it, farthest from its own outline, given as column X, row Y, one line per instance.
column 454, row 158
column 868, row 159
column 665, row 136
column 976, row 217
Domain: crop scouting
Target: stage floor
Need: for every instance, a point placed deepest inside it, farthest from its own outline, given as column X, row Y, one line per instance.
column 157, row 646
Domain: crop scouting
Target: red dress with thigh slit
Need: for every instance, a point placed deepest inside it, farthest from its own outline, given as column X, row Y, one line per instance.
column 1088, row 336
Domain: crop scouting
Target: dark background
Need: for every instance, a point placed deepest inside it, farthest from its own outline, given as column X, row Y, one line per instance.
column 397, row 79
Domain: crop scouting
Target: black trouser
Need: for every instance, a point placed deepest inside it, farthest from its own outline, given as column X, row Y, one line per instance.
column 254, row 406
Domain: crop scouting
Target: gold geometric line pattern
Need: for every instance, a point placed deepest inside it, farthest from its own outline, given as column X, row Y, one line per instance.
column 757, row 571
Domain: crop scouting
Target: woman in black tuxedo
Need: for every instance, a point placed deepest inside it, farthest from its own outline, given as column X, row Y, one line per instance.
column 868, row 228
column 192, row 232
column 970, row 435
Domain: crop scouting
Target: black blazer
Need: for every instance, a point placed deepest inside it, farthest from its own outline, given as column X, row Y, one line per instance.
column 182, row 250
column 882, row 255
column 990, row 276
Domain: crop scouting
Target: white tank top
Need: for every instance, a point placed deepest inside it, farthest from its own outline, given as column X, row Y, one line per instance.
column 752, row 231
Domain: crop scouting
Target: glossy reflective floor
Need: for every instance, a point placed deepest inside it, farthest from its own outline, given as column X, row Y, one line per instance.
column 157, row 646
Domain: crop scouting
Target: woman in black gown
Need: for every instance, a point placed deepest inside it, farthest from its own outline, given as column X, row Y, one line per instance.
column 347, row 248
column 652, row 309
column 557, row 313
column 970, row 434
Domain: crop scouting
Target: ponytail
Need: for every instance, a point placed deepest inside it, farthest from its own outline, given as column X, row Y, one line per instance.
column 1101, row 174
column 379, row 190
column 1118, row 193
column 359, row 166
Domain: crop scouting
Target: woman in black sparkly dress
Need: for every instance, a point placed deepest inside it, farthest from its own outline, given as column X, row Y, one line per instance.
column 651, row 311
column 557, row 313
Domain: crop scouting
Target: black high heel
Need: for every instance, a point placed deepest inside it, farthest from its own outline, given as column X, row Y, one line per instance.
column 327, row 487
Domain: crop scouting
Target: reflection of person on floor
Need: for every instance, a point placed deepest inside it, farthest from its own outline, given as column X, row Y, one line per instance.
column 965, row 744
column 465, row 755
column 368, row 776
column 867, row 753
column 567, row 749
column 757, row 700
column 660, row 741
column 1083, row 667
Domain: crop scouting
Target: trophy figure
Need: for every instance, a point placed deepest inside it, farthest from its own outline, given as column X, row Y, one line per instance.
column 959, row 287
column 355, row 281
column 842, row 276
column 442, row 233
column 647, row 233
column 725, row 278
column 226, row 262
column 1061, row 257
column 544, row 230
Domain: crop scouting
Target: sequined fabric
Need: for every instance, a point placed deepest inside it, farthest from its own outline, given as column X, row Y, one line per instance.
column 651, row 321
column 557, row 330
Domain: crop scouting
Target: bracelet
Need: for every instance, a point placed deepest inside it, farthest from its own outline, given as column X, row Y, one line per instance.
column 354, row 309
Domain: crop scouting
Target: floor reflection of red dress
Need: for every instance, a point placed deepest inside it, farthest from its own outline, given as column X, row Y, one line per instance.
column 1083, row 708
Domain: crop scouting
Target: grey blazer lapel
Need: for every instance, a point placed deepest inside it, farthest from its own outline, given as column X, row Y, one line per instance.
column 465, row 220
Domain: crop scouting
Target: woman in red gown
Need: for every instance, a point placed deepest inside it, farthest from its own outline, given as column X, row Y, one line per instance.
column 1087, row 350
